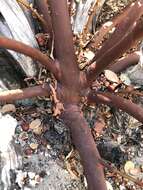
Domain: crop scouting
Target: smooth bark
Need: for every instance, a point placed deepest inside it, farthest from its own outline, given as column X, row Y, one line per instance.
column 84, row 142
column 118, row 102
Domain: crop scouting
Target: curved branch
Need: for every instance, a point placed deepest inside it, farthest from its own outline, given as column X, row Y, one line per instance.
column 106, row 28
column 31, row 52
column 127, row 33
column 123, row 63
column 84, row 142
column 118, row 102
column 19, row 94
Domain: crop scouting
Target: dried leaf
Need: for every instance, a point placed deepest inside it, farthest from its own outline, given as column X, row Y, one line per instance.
column 38, row 130
column 33, row 146
column 129, row 166
column 8, row 108
column 35, row 123
column 111, row 76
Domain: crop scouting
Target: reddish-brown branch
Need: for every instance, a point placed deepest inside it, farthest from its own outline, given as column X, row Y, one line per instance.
column 125, row 36
column 84, row 142
column 19, row 94
column 63, row 43
column 123, row 28
column 31, row 52
column 43, row 9
column 105, row 28
column 123, row 63
column 118, row 102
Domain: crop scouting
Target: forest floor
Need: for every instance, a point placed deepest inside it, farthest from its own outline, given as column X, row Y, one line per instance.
column 49, row 159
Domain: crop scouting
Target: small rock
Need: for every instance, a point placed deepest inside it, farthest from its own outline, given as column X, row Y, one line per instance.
column 20, row 178
column 28, row 151
column 8, row 108
column 89, row 55
column 129, row 166
column 23, row 136
column 122, row 187
column 59, row 127
column 38, row 179
column 33, row 146
column 111, row 76
column 125, row 79
column 38, row 130
column 35, row 123
column 109, row 186
column 32, row 182
column 31, row 175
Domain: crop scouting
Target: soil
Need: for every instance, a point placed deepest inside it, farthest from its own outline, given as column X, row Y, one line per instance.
column 55, row 164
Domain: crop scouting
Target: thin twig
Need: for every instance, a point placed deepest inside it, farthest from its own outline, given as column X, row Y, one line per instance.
column 116, row 171
column 34, row 11
column 130, row 91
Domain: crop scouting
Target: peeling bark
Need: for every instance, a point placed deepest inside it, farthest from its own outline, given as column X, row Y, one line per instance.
column 18, row 94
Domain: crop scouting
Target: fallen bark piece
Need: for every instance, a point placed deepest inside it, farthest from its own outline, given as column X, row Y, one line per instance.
column 10, row 159
column 18, row 28
column 84, row 10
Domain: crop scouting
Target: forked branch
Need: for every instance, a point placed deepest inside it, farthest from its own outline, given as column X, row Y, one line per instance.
column 127, row 33
column 107, row 27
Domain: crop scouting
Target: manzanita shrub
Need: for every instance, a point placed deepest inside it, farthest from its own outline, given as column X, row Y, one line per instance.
column 74, row 85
